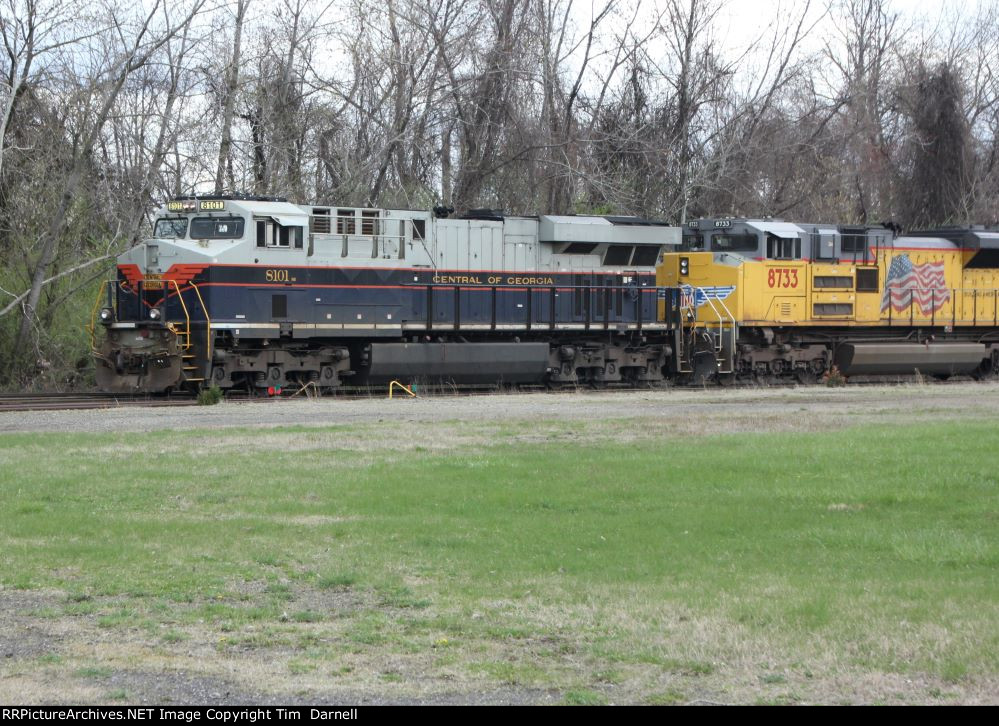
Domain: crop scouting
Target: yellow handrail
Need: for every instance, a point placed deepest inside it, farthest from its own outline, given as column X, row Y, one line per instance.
column 187, row 316
column 92, row 328
column 392, row 386
column 208, row 321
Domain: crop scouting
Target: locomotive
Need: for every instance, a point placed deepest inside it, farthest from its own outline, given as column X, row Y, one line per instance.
column 255, row 292
column 768, row 299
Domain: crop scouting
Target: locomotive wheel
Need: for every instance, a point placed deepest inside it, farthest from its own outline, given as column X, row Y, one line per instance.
column 806, row 377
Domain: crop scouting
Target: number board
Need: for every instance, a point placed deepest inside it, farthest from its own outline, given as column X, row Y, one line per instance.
column 211, row 205
column 175, row 206
column 723, row 223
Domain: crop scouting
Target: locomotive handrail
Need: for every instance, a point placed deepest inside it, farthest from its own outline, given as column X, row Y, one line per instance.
column 183, row 305
column 92, row 327
column 187, row 317
column 208, row 322
column 726, row 321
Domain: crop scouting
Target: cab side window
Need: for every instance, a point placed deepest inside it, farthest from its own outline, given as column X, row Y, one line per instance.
column 691, row 242
column 727, row 242
column 783, row 248
column 272, row 234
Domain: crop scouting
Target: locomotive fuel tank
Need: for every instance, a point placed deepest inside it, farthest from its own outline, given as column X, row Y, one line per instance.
column 460, row 362
column 938, row 359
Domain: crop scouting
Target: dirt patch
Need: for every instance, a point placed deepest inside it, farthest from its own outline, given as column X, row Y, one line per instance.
column 50, row 657
column 60, row 658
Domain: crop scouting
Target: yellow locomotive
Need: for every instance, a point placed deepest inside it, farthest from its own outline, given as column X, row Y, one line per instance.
column 769, row 299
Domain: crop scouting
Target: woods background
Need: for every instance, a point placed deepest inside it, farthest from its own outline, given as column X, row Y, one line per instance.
column 847, row 111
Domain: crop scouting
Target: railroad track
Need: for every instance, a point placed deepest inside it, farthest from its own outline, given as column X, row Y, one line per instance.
column 10, row 402
column 71, row 401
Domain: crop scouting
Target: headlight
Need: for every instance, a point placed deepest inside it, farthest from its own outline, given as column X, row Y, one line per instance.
column 155, row 314
column 684, row 266
column 106, row 315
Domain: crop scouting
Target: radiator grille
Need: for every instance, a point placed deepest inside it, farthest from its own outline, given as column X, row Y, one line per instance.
column 839, row 309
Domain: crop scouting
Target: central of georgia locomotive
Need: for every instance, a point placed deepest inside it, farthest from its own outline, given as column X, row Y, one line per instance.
column 256, row 293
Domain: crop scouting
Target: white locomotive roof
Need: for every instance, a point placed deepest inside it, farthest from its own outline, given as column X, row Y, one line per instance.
column 568, row 219
column 270, row 209
column 781, row 229
column 598, row 230
column 924, row 242
column 286, row 221
column 246, row 206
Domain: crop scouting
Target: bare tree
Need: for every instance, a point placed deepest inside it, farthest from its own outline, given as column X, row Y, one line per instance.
column 135, row 48
column 223, row 170
column 938, row 149
column 483, row 109
column 31, row 30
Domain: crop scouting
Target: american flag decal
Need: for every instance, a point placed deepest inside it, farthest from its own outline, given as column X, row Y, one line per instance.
column 908, row 284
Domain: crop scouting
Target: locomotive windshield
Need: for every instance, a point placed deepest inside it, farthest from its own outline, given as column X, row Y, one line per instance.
column 734, row 242
column 215, row 228
column 691, row 242
column 170, row 228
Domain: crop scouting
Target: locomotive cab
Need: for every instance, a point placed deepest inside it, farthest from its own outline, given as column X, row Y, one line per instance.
column 156, row 315
column 767, row 272
column 749, row 278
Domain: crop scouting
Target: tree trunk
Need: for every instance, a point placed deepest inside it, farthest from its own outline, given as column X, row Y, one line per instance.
column 232, row 82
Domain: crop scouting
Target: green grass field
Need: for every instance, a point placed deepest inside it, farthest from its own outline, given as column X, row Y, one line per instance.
column 857, row 565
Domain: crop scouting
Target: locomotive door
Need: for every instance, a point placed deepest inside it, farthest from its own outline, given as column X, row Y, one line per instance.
column 630, row 297
column 605, row 299
column 824, row 244
column 581, row 299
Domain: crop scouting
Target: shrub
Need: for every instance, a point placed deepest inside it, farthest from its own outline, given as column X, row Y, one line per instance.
column 210, row 396
column 834, row 378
